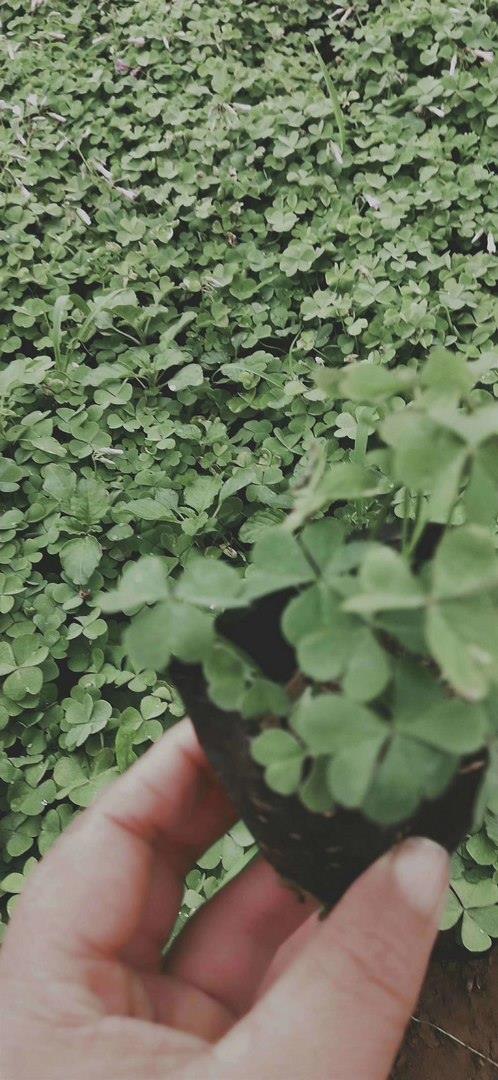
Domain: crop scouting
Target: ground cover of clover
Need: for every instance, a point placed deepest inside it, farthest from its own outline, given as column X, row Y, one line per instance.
column 202, row 204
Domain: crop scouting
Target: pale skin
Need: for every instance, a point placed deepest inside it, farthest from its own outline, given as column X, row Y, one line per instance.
column 256, row 986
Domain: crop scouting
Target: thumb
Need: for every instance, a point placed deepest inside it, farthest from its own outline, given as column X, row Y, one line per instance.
column 341, row 1008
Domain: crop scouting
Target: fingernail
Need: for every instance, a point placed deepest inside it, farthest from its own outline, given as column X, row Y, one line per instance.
column 420, row 867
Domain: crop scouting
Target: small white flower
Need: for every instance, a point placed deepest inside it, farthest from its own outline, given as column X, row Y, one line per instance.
column 491, row 245
column 127, row 193
column 437, row 110
column 83, row 216
column 102, row 170
column 484, row 54
column 453, row 64
column 344, row 18
column 25, row 192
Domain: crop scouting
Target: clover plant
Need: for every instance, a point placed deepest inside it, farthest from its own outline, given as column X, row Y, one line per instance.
column 398, row 652
column 232, row 236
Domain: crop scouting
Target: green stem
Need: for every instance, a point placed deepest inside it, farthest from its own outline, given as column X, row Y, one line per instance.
column 406, row 520
column 360, row 443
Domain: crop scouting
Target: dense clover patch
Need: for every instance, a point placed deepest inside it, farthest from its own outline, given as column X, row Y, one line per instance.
column 248, row 274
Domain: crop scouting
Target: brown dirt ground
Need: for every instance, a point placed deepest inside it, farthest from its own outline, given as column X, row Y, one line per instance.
column 461, row 996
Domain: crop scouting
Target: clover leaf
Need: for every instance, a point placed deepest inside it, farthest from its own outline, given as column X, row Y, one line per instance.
column 80, row 557
column 83, row 717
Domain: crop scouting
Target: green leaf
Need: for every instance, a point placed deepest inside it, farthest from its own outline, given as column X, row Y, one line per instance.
column 313, row 791
column 350, row 771
column 465, row 563
column 408, row 773
column 26, row 680
column 481, row 494
column 482, row 850
column 211, row 583
column 463, row 638
column 423, row 452
column 473, row 937
column 446, row 373
column 323, row 543
column 476, row 894
column 143, row 582
column 328, row 723
column 161, row 508
column 227, row 674
column 59, row 481
column 190, row 375
column 452, row 912
column 486, row 919
column 368, row 670
column 264, row 698
column 275, row 744
column 12, row 883
column 8, row 661
column 452, row 725
column 344, row 480
column 32, row 801
column 147, row 640
column 30, row 650
column 54, row 823
column 385, row 583
column 278, row 562
column 79, row 558
column 284, row 776
column 323, row 635
column 202, row 492
column 370, row 382
column 212, row 857
column 189, row 631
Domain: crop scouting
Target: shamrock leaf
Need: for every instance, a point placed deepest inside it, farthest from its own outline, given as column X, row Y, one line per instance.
column 143, row 582
column 282, row 756
column 211, row 583
column 385, row 583
column 83, row 716
column 461, row 622
column 80, row 557
column 20, row 663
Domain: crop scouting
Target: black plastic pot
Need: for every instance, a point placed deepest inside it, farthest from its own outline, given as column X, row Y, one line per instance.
column 320, row 853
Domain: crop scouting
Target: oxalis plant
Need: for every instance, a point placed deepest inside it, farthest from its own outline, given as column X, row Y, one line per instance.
column 344, row 682
column 189, row 233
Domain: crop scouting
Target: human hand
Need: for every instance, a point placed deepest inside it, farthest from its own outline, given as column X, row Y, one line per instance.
column 84, row 994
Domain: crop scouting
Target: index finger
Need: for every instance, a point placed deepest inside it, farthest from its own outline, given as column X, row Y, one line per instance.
column 88, row 893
